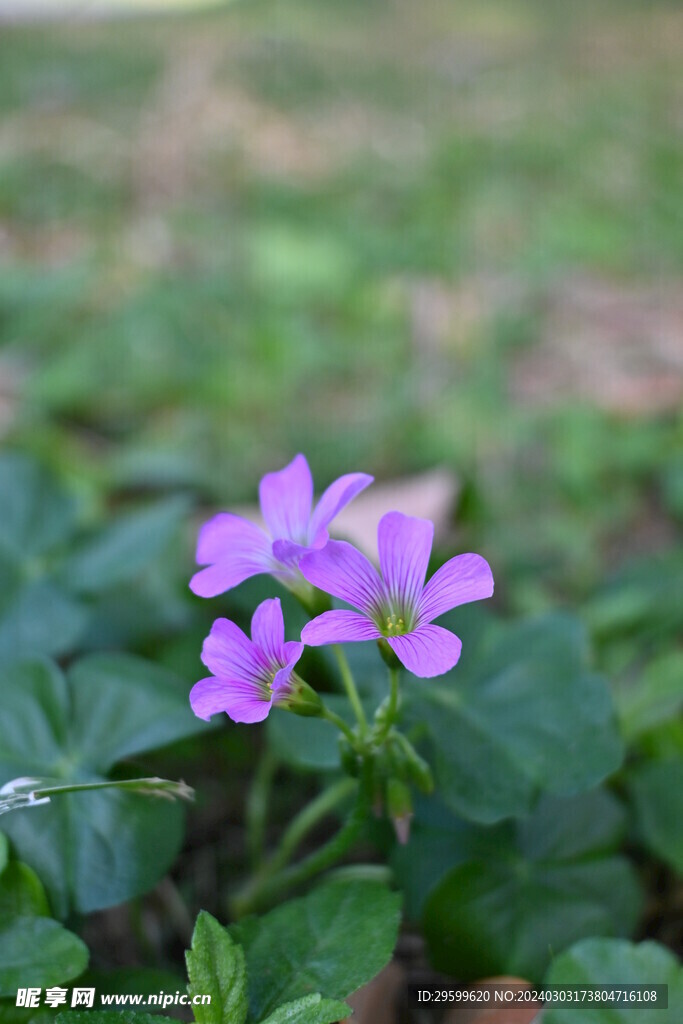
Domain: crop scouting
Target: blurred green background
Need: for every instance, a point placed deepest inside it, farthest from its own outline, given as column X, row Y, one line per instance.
column 390, row 235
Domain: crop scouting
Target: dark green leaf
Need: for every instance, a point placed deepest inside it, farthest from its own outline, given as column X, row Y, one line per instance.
column 92, row 849
column 131, row 614
column 586, row 824
column 122, row 705
column 109, row 707
column 657, row 792
column 517, row 894
column 36, row 951
column 523, row 718
column 215, row 966
column 21, row 893
column 609, row 961
column 311, row 1009
column 438, row 842
column 37, row 513
column 34, row 715
column 673, row 485
column 332, row 941
column 11, row 1014
column 574, row 827
column 125, row 546
column 39, row 618
column 42, row 586
column 309, row 743
column 642, row 598
column 656, row 696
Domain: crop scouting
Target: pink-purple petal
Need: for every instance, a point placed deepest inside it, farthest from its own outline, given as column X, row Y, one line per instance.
column 268, row 628
column 229, row 654
column 286, row 498
column 292, row 651
column 289, row 553
column 333, row 500
column 282, row 682
column 427, row 651
column 405, row 543
column 226, row 532
column 207, row 698
column 341, row 570
column 460, row 580
column 338, row 627
column 216, row 579
column 237, row 550
column 243, row 702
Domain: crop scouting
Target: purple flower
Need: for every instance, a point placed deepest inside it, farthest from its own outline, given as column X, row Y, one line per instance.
column 396, row 606
column 234, row 549
column 249, row 676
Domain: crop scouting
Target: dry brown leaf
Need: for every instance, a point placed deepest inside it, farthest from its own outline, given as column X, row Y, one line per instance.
column 620, row 348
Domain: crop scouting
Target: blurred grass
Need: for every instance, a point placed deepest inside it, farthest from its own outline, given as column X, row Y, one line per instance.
column 355, row 230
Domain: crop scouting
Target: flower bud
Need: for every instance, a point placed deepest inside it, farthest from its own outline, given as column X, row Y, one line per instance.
column 399, row 808
column 409, row 765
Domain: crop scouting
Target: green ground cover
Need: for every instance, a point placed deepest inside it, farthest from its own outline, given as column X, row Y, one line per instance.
column 392, row 236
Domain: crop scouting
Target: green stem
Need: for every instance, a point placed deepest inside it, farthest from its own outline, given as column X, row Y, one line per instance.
column 307, row 819
column 350, row 687
column 393, row 695
column 388, row 710
column 363, row 872
column 332, row 716
column 264, row 890
column 257, row 806
column 149, row 786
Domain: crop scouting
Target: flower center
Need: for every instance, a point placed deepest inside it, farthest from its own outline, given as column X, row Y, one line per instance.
column 393, row 625
column 266, row 684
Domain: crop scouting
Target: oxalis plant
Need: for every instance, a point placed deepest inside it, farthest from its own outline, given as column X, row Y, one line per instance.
column 393, row 608
column 298, row 962
column 252, row 675
column 486, row 774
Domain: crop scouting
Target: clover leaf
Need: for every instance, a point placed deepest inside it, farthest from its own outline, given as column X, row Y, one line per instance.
column 98, row 848
column 521, row 715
